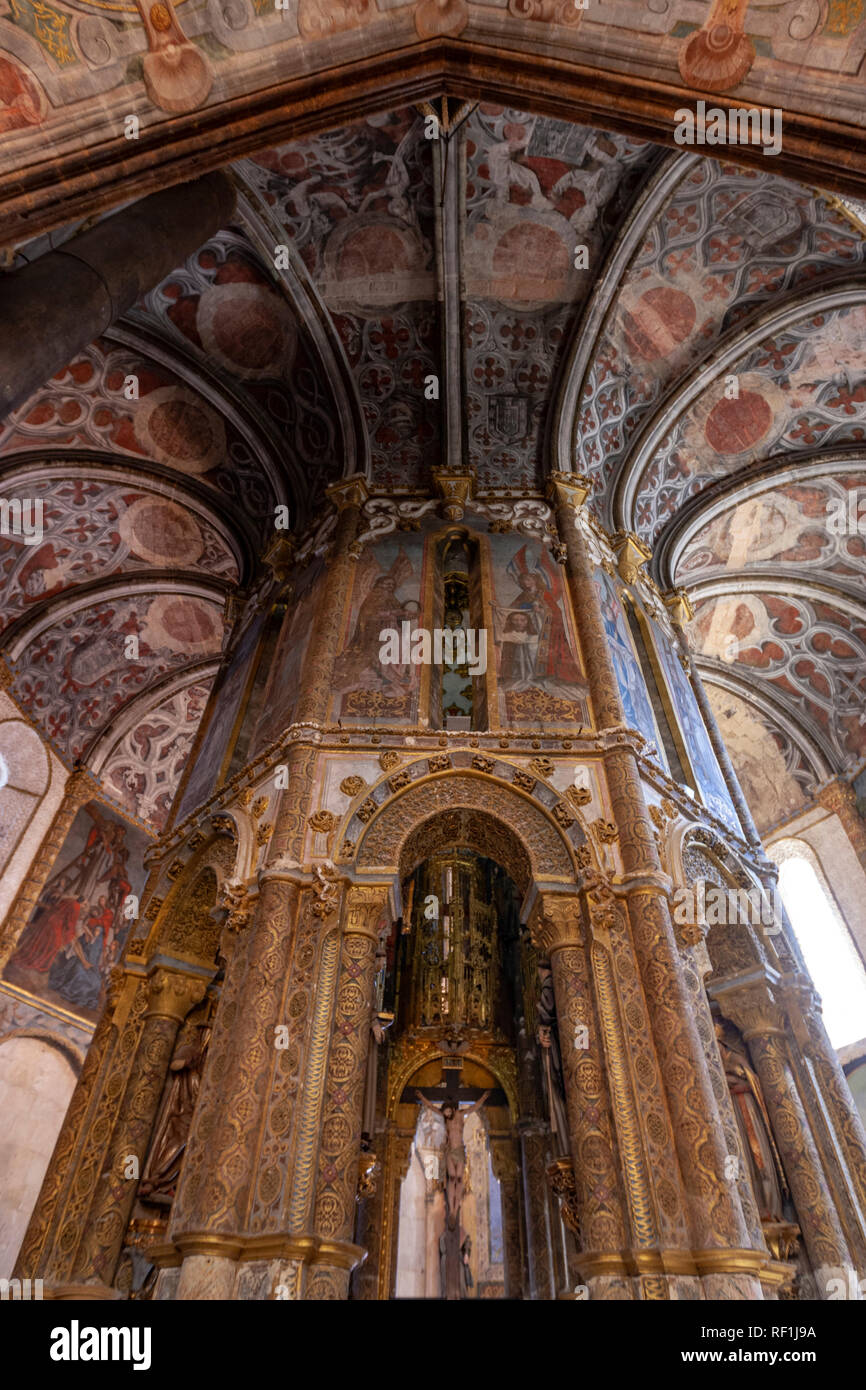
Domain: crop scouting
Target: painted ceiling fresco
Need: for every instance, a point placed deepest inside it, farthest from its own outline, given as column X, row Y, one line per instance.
column 688, row 332
column 73, row 71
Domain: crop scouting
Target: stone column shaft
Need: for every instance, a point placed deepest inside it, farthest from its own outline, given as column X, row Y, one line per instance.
column 760, row 1021
column 534, row 1153
column 171, row 996
column 715, row 1215
column 838, row 797
column 342, row 1120
column 61, row 302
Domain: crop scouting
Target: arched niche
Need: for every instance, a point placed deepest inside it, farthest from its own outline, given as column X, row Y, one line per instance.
column 37, row 1078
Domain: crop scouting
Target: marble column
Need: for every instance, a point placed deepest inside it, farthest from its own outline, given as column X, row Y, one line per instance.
column 752, row 1008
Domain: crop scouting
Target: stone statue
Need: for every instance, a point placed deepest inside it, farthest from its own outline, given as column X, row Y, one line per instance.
column 756, row 1135
column 548, row 1039
column 162, row 1169
column 455, row 1151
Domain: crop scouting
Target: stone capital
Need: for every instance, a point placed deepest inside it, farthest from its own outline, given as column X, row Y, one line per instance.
column 679, row 605
column 555, row 922
column 455, row 487
column 751, row 1007
column 349, row 492
column 569, row 489
column 172, row 995
column 364, row 905
column 631, row 554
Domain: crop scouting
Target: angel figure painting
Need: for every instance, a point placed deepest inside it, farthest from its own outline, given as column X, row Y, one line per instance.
column 387, row 594
column 539, row 671
column 81, row 921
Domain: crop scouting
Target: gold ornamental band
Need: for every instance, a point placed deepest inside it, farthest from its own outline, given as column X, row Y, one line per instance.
column 311, row 1249
column 685, row 1262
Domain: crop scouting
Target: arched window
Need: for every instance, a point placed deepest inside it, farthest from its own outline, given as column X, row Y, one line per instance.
column 825, row 941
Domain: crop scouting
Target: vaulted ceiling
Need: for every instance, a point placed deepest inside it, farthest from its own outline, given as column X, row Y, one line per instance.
column 458, row 260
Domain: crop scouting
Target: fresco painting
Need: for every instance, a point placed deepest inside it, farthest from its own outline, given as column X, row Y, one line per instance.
column 79, row 925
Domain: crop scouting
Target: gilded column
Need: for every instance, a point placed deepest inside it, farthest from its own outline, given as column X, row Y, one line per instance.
column 714, row 1211
column 556, row 930
column 838, row 797
column 342, row 1121
column 79, row 789
column 171, row 995
column 754, row 1011
column 504, row 1161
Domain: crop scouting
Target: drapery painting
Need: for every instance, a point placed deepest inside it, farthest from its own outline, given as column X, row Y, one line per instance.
column 539, row 674
column 79, row 926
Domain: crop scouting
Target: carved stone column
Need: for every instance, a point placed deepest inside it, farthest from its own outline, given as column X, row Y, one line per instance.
column 534, row 1144
column 838, row 797
column 340, row 1141
column 846, row 1141
column 504, row 1161
column 556, row 929
column 79, row 789
column 753, row 1009
column 714, row 1212
column 171, row 995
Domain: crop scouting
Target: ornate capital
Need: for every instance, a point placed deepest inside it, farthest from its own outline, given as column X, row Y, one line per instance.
column 569, row 489
column 349, row 492
column 555, row 922
column 836, row 796
column 561, row 1175
column 751, row 1008
column 631, row 554
column 455, row 487
column 171, row 995
column 80, row 787
column 364, row 904
column 679, row 605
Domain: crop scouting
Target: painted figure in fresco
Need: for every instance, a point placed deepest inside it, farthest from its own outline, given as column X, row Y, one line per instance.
column 517, row 648
column 540, row 597
column 455, row 1150
column 629, row 677
column 756, row 1135
column 76, row 932
column 358, row 664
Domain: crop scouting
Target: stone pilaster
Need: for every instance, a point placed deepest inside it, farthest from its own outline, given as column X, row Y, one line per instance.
column 504, row 1162
column 534, row 1147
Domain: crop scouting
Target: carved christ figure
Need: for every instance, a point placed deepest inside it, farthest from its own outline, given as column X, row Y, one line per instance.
column 455, row 1150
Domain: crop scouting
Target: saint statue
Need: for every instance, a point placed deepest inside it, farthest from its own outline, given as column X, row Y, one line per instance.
column 162, row 1169
column 455, row 1151
column 548, row 1040
column 756, row 1135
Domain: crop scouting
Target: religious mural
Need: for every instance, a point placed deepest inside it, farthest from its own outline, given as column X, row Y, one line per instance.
column 227, row 706
column 79, row 925
column 693, row 731
column 539, row 673
column 629, row 676
column 284, row 681
column 387, row 593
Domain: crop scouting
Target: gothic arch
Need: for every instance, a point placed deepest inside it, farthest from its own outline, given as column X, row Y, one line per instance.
column 527, row 808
